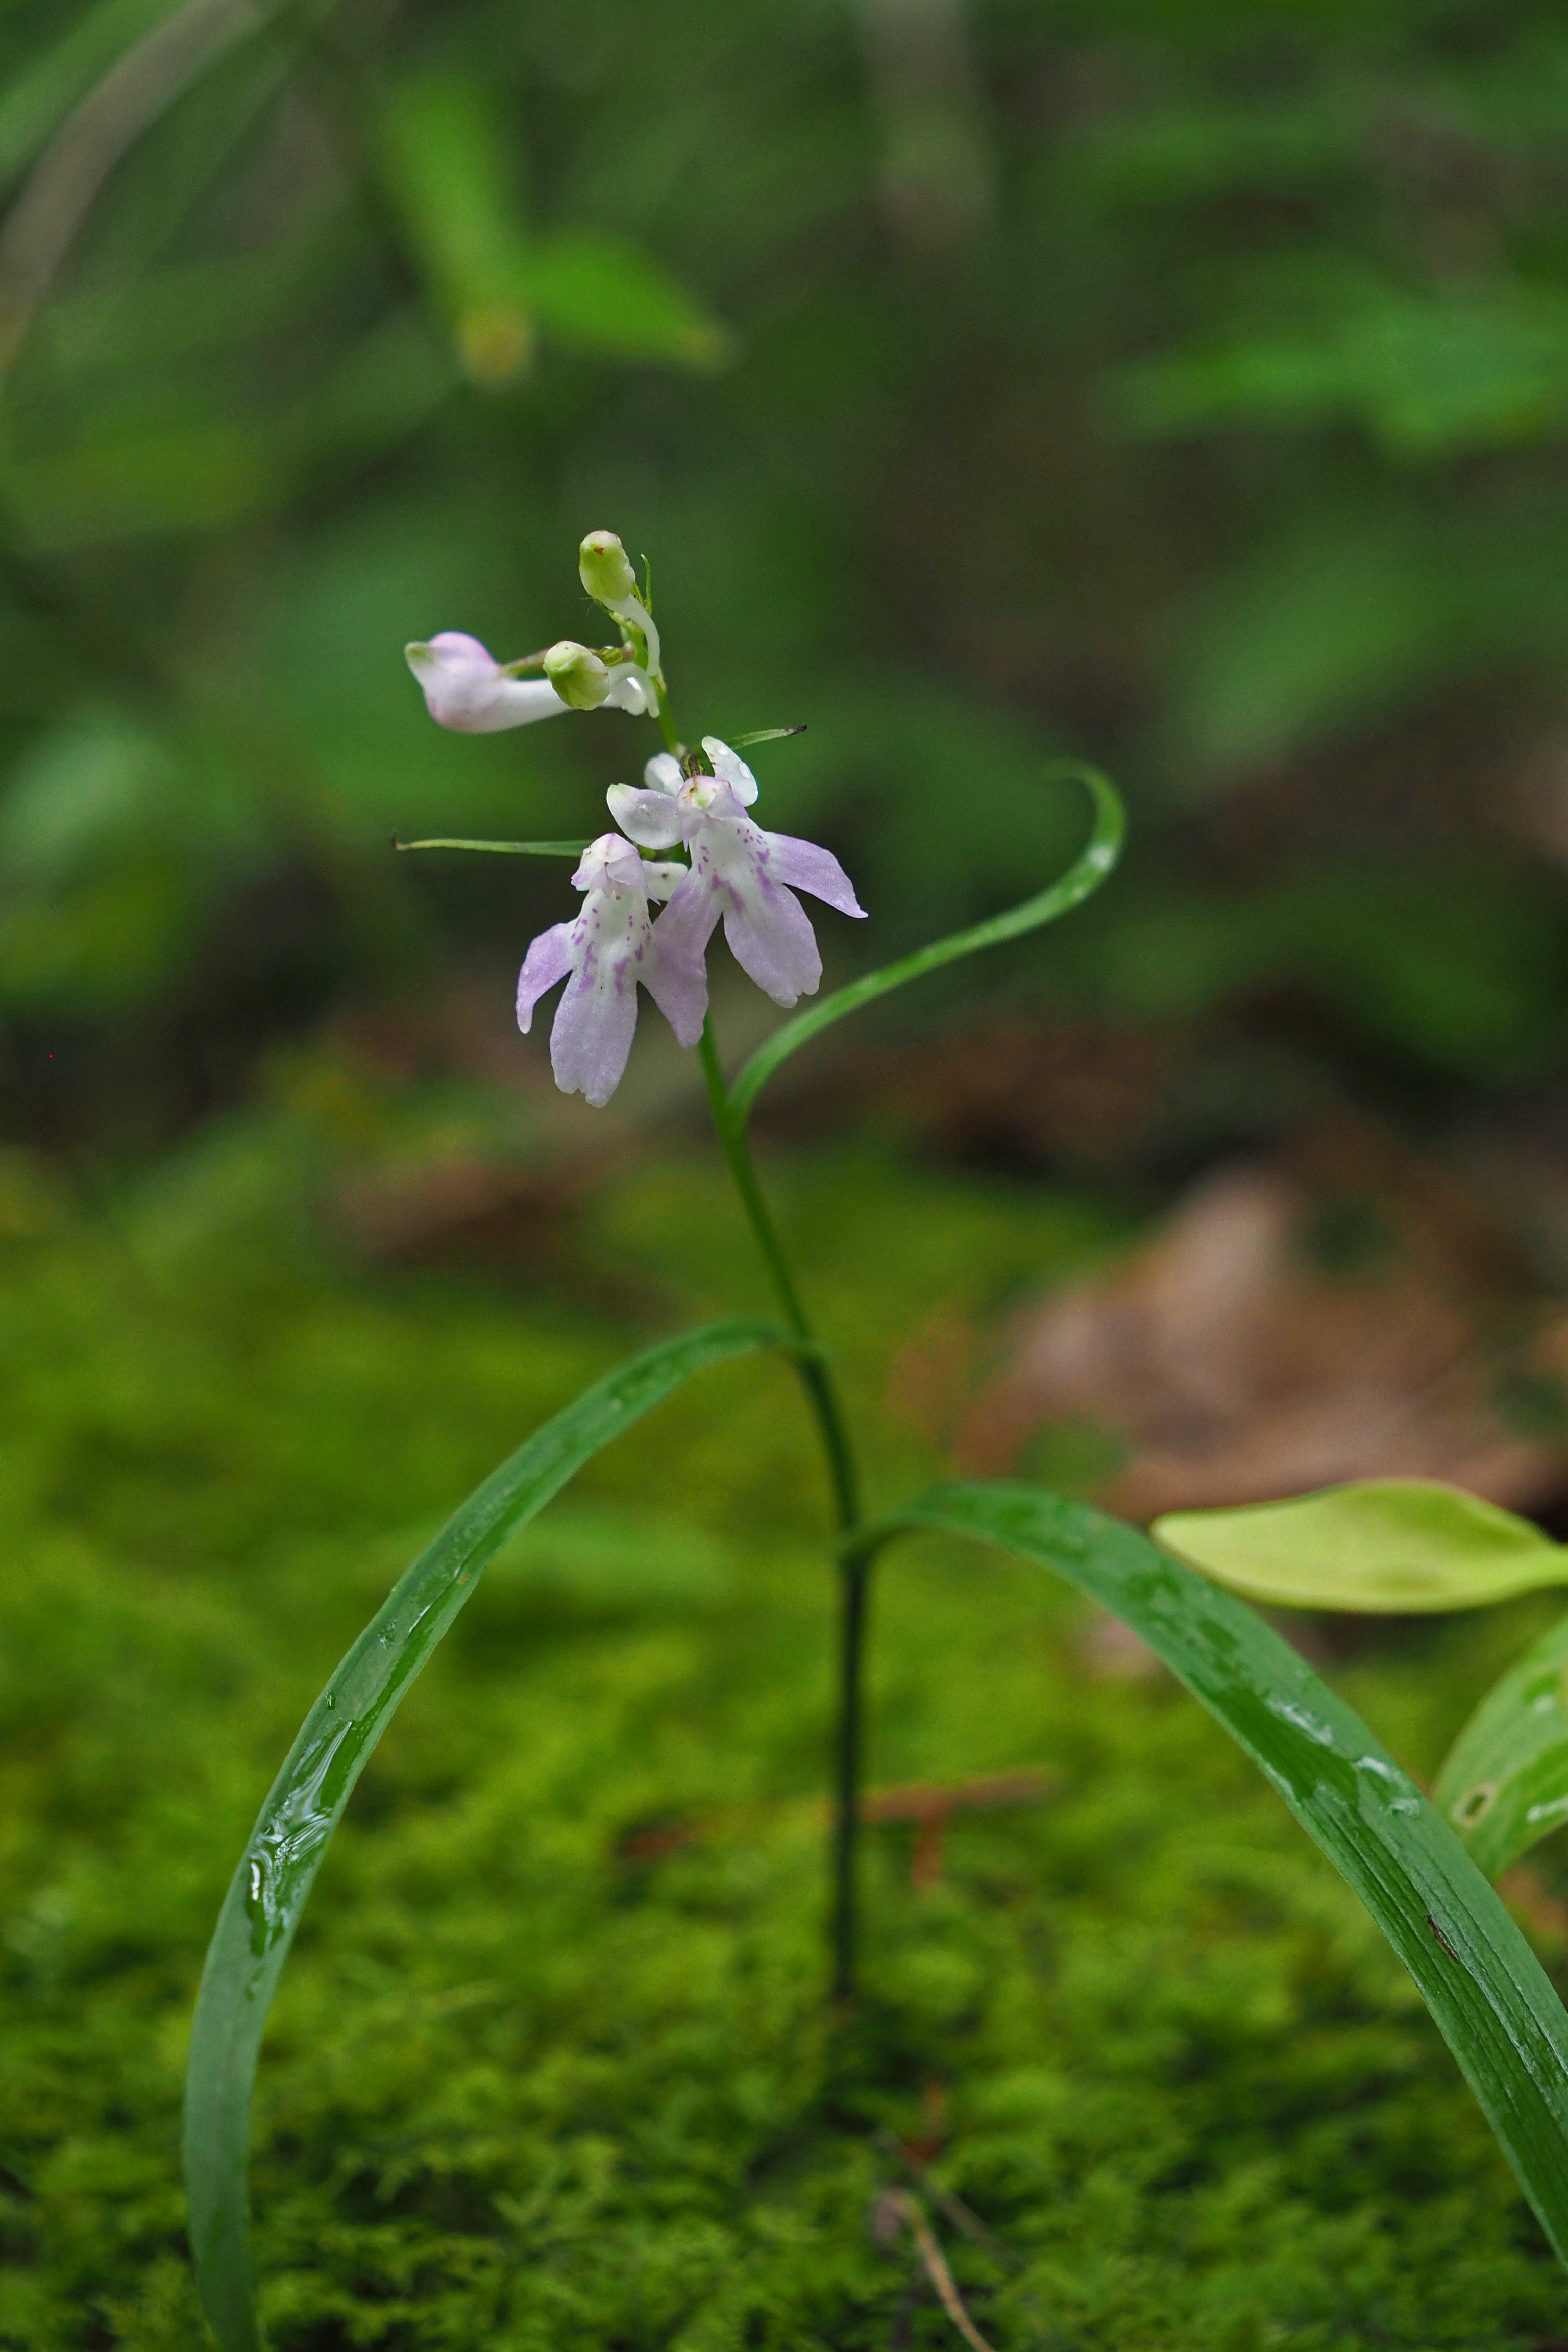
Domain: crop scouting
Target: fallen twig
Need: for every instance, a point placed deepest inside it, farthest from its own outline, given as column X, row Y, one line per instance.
column 932, row 1808
column 896, row 2207
column 953, row 2208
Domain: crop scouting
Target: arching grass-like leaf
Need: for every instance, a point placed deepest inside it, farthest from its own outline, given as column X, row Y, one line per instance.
column 1484, row 1986
column 1504, row 1783
column 278, row 1868
column 1383, row 1546
column 1082, row 878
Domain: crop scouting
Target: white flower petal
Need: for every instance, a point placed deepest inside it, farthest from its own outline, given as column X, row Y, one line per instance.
column 732, row 768
column 661, row 876
column 662, row 774
column 650, row 819
column 609, row 863
column 630, row 689
column 628, row 608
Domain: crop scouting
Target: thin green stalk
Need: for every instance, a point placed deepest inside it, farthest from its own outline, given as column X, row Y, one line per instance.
column 503, row 848
column 855, row 1579
column 665, row 719
column 1082, row 878
column 822, row 1396
column 814, row 1371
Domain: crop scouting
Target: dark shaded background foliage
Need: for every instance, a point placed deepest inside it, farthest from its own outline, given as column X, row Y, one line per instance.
column 1182, row 386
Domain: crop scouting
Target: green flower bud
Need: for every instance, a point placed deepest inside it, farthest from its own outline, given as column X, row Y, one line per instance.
column 605, row 569
column 579, row 677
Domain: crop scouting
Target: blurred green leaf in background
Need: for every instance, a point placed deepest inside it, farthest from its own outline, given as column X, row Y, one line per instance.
column 1188, row 391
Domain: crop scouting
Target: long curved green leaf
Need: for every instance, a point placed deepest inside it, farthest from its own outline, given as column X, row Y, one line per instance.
column 1504, row 1783
column 305, row 1803
column 1396, row 1546
column 1082, row 878
column 1491, row 1999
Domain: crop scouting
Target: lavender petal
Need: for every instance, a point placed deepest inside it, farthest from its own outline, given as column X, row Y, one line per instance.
column 548, row 959
column 772, row 940
column 677, row 979
column 806, row 866
column 592, row 1039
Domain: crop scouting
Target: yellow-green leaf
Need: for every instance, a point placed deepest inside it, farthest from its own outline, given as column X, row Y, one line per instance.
column 1385, row 1545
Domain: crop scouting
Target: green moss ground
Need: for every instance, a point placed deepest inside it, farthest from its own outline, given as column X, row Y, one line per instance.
column 522, row 2092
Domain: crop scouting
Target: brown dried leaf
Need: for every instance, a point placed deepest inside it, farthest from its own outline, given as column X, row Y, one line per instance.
column 1345, row 1313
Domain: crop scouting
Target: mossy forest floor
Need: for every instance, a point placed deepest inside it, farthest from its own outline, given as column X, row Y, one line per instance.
column 550, row 2068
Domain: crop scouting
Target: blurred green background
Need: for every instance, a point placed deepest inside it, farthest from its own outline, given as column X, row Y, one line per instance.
column 1186, row 388
column 1180, row 387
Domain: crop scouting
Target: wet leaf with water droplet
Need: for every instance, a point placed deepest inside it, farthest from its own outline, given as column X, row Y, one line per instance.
column 278, row 1868
column 1492, row 2001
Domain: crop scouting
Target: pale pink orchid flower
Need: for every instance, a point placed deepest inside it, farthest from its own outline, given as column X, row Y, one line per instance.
column 608, row 949
column 738, row 872
column 465, row 689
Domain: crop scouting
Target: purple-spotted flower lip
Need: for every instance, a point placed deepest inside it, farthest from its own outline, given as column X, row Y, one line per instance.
column 466, row 689
column 603, row 954
column 738, row 874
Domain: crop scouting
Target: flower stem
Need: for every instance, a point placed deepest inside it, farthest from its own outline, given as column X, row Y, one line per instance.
column 821, row 1394
column 665, row 719
column 852, row 1590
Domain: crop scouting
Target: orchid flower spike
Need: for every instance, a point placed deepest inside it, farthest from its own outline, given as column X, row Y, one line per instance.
column 738, row 871
column 607, row 950
column 465, row 689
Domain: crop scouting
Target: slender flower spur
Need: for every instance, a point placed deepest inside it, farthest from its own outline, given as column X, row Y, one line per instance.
column 607, row 950
column 738, row 871
column 466, row 689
